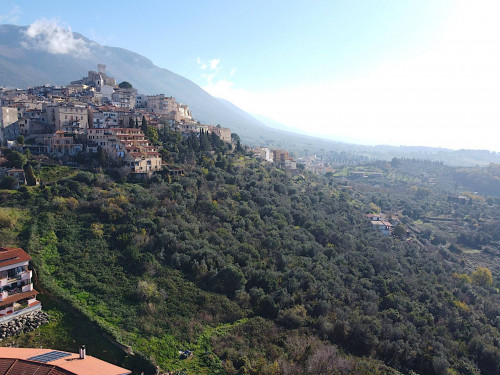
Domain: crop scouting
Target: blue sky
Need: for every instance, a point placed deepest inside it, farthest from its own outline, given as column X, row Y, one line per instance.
column 396, row 72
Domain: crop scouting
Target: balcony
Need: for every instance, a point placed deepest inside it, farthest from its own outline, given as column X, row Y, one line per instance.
column 24, row 275
column 20, row 289
column 27, row 288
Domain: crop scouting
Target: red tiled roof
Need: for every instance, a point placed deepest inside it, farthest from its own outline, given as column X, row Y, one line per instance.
column 20, row 366
column 17, row 361
column 12, row 255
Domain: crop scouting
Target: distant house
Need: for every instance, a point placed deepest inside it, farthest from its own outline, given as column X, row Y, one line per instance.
column 17, row 296
column 283, row 159
column 59, row 144
column 68, row 117
column 18, row 174
column 357, row 174
column 384, row 227
column 263, row 153
column 172, row 171
column 128, row 145
column 374, row 217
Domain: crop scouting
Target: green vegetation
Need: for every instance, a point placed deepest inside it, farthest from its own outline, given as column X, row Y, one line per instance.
column 125, row 85
column 257, row 271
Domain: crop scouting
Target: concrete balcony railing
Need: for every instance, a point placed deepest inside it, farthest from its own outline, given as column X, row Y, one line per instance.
column 4, row 295
column 25, row 275
column 27, row 288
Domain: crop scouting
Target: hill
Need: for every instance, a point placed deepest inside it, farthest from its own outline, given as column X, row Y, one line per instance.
column 258, row 271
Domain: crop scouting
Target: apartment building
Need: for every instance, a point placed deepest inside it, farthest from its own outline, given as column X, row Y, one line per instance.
column 17, row 296
column 68, row 117
column 128, row 145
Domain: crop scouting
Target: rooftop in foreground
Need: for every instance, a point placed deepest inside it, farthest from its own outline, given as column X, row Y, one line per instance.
column 53, row 362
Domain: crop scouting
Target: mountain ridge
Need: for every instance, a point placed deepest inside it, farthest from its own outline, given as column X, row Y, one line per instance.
column 18, row 71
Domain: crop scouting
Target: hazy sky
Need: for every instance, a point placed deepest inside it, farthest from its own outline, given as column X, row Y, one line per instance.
column 398, row 72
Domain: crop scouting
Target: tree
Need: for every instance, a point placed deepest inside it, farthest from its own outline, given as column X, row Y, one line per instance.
column 229, row 280
column 131, row 122
column 400, row 231
column 152, row 135
column 9, row 183
column 215, row 141
column 204, row 141
column 16, row 159
column 482, row 276
column 20, row 140
column 144, row 125
column 125, row 85
column 235, row 137
column 30, row 175
column 100, row 156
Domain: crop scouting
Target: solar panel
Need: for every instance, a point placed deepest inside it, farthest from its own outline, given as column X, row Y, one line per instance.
column 50, row 356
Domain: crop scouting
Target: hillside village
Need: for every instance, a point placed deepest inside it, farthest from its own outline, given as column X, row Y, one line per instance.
column 95, row 114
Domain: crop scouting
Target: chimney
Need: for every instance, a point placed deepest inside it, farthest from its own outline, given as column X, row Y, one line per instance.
column 82, row 352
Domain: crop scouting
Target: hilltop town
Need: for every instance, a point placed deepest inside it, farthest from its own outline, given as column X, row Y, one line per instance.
column 95, row 115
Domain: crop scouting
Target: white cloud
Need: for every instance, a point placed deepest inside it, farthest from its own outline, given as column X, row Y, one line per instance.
column 214, row 63
column 446, row 96
column 50, row 36
column 220, row 89
column 201, row 64
column 12, row 16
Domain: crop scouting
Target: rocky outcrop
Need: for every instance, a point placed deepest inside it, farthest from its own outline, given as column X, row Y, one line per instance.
column 24, row 323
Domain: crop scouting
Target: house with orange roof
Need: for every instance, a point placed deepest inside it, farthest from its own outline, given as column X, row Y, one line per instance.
column 129, row 145
column 28, row 361
column 17, row 296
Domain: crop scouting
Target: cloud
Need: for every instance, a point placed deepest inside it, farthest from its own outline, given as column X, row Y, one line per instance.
column 220, row 88
column 50, row 36
column 201, row 64
column 214, row 63
column 12, row 16
column 216, row 86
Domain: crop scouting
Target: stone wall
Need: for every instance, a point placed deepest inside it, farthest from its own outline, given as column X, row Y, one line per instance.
column 24, row 323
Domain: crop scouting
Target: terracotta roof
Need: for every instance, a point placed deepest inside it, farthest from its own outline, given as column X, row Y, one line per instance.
column 20, row 361
column 12, row 255
column 20, row 366
column 18, row 297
